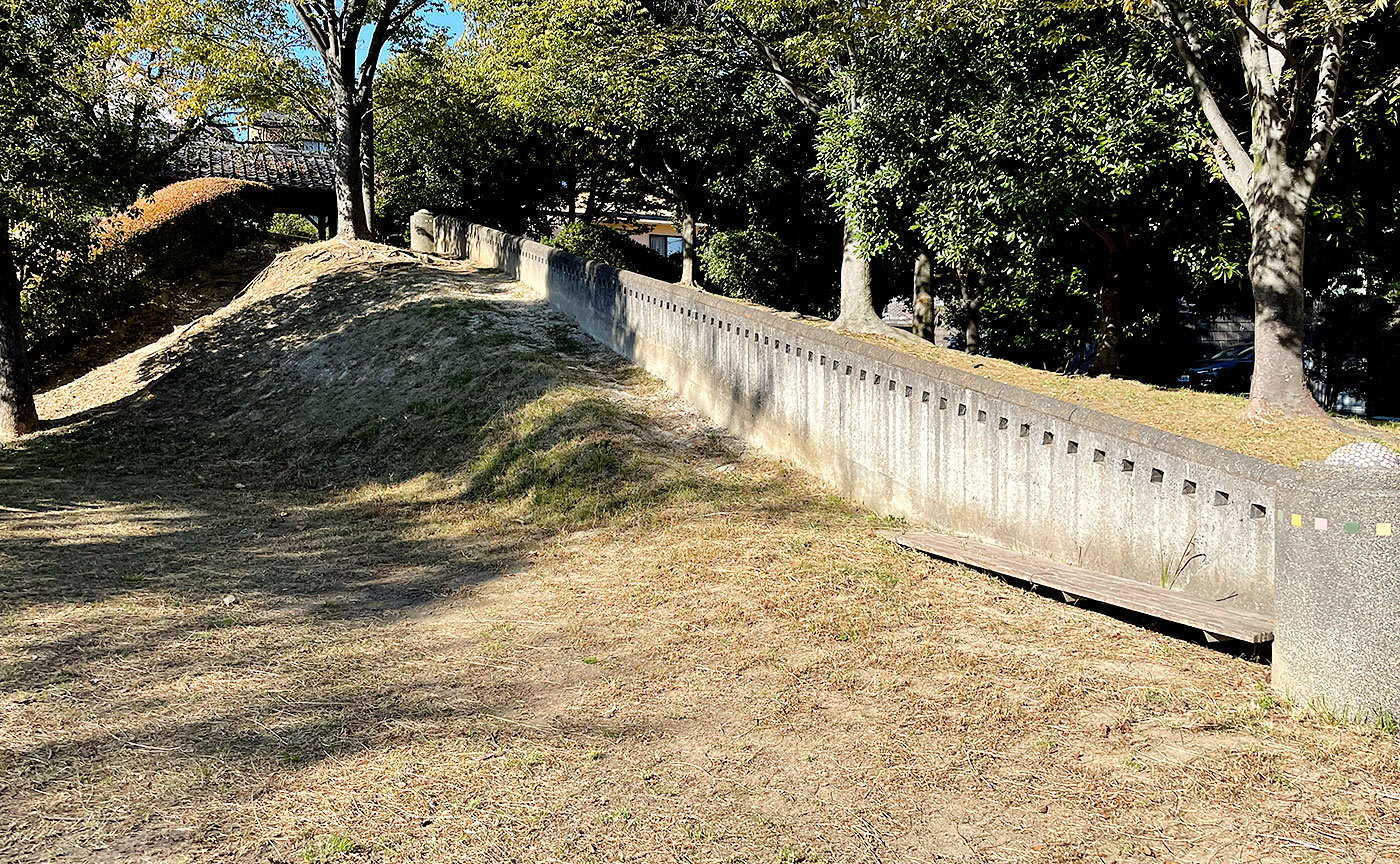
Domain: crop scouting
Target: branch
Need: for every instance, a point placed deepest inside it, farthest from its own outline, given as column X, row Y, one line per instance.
column 391, row 20
column 1264, row 37
column 306, row 12
column 1361, row 106
column 774, row 64
column 1181, row 29
column 1324, row 113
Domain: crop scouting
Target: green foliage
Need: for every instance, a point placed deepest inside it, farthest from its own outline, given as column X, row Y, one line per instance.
column 750, row 264
column 453, row 145
column 611, row 246
column 232, row 59
column 292, row 225
column 1005, row 148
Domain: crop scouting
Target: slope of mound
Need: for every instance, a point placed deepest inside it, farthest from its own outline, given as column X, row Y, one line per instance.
column 177, row 302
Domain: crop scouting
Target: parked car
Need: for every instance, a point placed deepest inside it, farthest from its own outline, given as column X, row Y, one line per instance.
column 1229, row 371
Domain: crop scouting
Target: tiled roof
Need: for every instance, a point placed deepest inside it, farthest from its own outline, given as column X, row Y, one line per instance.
column 276, row 165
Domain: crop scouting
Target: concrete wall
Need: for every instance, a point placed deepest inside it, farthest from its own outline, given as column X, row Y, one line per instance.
column 942, row 447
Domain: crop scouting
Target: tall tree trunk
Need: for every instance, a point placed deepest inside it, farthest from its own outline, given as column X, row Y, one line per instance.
column 1106, row 355
column 925, row 314
column 17, row 414
column 972, row 284
column 1278, row 218
column 689, row 271
column 858, row 313
column 1274, row 189
column 349, row 181
column 367, row 163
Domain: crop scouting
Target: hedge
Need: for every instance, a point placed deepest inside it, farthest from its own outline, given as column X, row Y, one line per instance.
column 137, row 254
column 184, row 225
column 612, row 246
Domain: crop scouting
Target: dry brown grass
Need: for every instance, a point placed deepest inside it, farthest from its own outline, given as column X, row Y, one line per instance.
column 1215, row 418
column 491, row 595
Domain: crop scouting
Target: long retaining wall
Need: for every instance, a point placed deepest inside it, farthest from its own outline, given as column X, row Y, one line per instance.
column 970, row 455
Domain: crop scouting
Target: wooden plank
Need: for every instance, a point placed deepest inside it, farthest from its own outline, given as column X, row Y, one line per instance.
column 1213, row 618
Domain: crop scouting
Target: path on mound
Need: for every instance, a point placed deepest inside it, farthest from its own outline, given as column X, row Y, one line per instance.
column 386, row 562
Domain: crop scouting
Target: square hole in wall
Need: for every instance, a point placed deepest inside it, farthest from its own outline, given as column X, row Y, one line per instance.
column 1157, row 475
column 962, row 409
column 848, row 370
column 892, row 384
column 926, row 397
column 877, row 380
column 1258, row 511
column 787, row 349
column 1188, row 487
column 1048, row 437
column 809, row 356
column 981, row 416
column 1072, row 447
column 1025, row 430
column 1221, row 498
column 1100, row 456
column 942, row 403
column 1127, row 467
column 1003, row 423
column 908, row 391
column 862, row 374
column 765, row 340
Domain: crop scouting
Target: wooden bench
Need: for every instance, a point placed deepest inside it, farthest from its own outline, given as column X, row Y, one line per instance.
column 1217, row 621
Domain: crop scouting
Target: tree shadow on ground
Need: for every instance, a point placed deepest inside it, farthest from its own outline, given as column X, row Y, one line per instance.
column 210, row 567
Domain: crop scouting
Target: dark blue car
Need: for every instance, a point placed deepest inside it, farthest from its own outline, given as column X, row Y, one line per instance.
column 1230, row 371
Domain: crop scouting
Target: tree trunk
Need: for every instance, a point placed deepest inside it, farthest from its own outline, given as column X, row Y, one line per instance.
column 1278, row 217
column 17, row 414
column 689, row 271
column 972, row 283
column 924, row 311
column 1106, row 357
column 367, row 164
column 349, row 181
column 858, row 313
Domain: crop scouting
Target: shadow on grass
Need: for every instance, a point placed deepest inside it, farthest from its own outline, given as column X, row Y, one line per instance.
column 199, row 569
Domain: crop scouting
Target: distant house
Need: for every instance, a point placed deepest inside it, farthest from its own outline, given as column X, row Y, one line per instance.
column 289, row 157
column 650, row 229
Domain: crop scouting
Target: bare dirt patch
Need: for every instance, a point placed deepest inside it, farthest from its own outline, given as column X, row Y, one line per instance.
column 386, row 562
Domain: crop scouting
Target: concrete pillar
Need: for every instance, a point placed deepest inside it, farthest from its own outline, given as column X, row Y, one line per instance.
column 1337, row 590
column 421, row 233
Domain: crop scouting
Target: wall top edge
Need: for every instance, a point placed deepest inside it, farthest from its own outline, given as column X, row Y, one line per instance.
column 1168, row 443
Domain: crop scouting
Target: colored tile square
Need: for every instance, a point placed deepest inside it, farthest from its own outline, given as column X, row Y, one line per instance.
column 1297, row 520
column 1352, row 527
column 1320, row 524
column 1382, row 529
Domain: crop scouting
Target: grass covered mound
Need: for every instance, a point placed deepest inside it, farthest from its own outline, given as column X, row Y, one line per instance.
column 387, row 562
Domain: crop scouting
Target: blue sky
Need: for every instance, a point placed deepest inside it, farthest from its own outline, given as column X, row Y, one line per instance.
column 450, row 20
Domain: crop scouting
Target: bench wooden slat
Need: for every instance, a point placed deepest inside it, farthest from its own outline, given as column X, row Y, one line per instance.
column 1212, row 618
